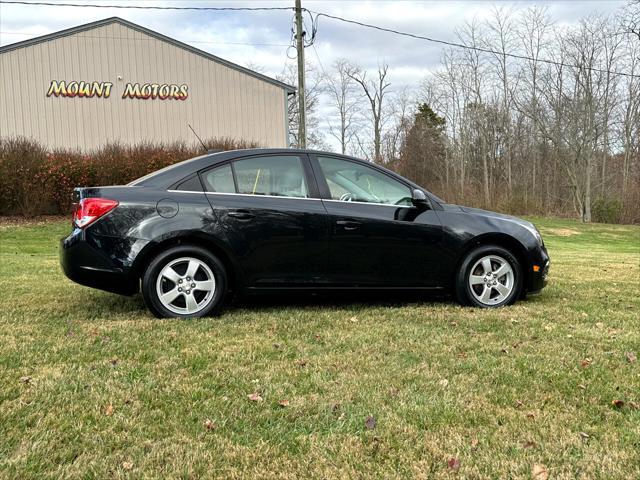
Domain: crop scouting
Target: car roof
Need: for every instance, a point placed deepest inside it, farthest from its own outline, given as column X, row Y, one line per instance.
column 173, row 173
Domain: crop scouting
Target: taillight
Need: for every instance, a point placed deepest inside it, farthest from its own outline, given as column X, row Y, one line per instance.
column 91, row 209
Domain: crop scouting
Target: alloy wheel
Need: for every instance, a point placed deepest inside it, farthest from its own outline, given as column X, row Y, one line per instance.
column 491, row 280
column 185, row 285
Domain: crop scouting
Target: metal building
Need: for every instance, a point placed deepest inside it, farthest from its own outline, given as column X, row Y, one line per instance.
column 115, row 81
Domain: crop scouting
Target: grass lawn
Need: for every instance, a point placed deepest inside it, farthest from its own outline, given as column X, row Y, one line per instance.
column 91, row 386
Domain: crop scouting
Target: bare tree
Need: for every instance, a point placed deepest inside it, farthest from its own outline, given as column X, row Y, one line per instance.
column 375, row 91
column 340, row 88
column 313, row 91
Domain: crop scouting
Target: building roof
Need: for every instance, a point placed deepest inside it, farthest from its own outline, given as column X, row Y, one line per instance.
column 159, row 36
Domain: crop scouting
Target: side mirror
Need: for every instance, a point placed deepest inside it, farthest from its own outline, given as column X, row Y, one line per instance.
column 419, row 199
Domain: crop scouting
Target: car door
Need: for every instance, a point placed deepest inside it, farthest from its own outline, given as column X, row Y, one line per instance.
column 378, row 238
column 275, row 223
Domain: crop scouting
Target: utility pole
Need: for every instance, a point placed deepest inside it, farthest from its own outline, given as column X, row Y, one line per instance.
column 302, row 127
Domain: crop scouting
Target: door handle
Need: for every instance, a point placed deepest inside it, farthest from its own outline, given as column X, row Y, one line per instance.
column 348, row 224
column 241, row 214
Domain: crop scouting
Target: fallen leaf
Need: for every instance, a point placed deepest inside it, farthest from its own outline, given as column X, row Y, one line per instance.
column 335, row 408
column 462, row 355
column 127, row 465
column 454, row 464
column 209, row 425
column 530, row 416
column 529, row 444
column 585, row 363
column 25, row 379
column 370, row 422
column 584, row 435
column 519, row 403
column 539, row 472
column 394, row 391
column 583, row 387
column 618, row 403
column 254, row 397
column 283, row 403
column 276, row 346
column 634, row 405
column 353, row 319
column 108, row 410
column 301, row 363
column 631, row 357
column 444, row 383
column 474, row 443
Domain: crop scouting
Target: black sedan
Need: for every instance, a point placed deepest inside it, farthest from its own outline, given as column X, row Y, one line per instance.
column 277, row 219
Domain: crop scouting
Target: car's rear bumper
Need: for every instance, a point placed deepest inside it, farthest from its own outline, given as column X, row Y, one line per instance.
column 90, row 267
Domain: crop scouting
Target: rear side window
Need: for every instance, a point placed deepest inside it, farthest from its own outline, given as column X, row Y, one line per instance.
column 219, row 179
column 281, row 176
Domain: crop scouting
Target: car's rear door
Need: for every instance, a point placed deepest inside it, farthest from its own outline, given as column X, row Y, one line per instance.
column 275, row 223
column 378, row 238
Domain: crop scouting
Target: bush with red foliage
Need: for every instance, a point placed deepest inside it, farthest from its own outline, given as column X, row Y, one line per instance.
column 34, row 181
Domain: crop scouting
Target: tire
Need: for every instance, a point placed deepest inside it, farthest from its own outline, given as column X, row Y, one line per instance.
column 474, row 287
column 201, row 295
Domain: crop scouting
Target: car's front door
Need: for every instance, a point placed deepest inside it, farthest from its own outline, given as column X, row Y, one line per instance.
column 273, row 220
column 378, row 238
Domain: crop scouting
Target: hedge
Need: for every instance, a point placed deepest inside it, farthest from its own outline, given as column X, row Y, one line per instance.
column 37, row 181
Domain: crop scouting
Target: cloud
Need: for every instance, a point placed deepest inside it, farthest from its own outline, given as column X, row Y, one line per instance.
column 241, row 37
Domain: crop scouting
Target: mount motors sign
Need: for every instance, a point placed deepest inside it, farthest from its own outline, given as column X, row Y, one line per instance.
column 144, row 91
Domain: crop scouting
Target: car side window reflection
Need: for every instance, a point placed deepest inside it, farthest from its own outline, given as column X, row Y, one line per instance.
column 354, row 182
column 281, row 176
column 219, row 179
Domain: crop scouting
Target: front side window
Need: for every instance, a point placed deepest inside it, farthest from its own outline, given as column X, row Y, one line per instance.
column 354, row 182
column 281, row 176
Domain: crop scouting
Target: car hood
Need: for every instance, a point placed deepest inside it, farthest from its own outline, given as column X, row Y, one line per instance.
column 486, row 213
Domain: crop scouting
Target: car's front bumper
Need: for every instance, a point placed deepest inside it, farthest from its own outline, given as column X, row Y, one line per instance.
column 90, row 267
column 539, row 274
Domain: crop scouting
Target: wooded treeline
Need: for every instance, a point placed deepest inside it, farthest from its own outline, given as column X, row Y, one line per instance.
column 512, row 134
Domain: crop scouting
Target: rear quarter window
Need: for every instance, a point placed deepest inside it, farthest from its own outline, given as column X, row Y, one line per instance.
column 191, row 184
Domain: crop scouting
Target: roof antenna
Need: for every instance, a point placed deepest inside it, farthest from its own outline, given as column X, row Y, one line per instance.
column 199, row 139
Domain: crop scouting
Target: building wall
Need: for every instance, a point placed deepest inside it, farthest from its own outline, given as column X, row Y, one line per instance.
column 222, row 101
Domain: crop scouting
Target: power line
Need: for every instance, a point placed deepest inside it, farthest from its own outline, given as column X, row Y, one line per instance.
column 109, row 37
column 469, row 47
column 332, row 17
column 144, row 7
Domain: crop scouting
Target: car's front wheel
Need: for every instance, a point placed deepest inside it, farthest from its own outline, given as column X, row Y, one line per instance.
column 184, row 281
column 490, row 276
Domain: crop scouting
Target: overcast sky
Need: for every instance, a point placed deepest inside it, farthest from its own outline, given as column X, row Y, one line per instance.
column 221, row 32
column 259, row 39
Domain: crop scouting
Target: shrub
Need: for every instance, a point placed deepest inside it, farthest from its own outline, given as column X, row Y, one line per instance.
column 606, row 210
column 34, row 181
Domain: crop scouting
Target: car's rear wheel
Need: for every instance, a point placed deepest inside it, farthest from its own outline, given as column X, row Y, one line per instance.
column 490, row 276
column 184, row 281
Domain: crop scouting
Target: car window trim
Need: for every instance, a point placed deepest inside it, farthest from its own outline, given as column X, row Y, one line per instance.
column 247, row 195
column 367, row 203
